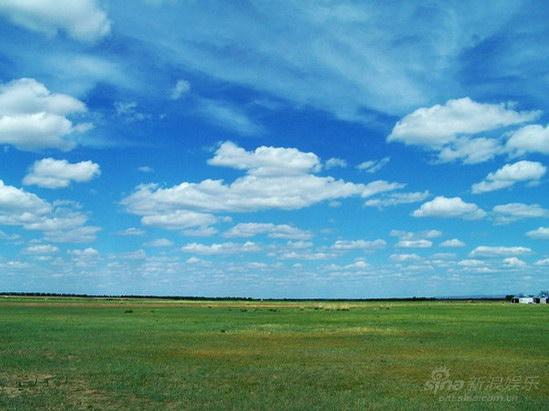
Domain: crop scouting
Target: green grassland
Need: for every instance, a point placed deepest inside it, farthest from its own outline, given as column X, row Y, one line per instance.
column 71, row 353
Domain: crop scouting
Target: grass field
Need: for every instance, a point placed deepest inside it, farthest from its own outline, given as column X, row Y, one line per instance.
column 61, row 353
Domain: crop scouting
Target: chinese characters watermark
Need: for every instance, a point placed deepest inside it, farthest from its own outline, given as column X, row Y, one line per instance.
column 479, row 388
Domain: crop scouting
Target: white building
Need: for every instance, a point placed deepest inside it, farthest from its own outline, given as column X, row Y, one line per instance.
column 523, row 300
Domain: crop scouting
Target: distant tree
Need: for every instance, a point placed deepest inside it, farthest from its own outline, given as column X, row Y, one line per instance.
column 544, row 293
column 509, row 297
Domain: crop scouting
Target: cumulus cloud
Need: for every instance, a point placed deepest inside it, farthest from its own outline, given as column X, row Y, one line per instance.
column 41, row 249
column 514, row 262
column 540, row 233
column 359, row 244
column 420, row 239
column 58, row 222
column 506, row 213
column 442, row 124
column 50, row 173
column 449, row 129
column 373, row 166
column 275, row 178
column 446, row 207
column 404, row 258
column 160, row 242
column 84, row 253
column 181, row 88
column 266, row 161
column 284, row 231
column 81, row 19
column 471, row 150
column 490, row 251
column 471, row 263
column 18, row 207
column 452, row 243
column 543, row 262
column 179, row 220
column 33, row 118
column 335, row 162
column 394, row 199
column 414, row 243
column 529, row 139
column 221, row 248
column 509, row 175
column 410, row 235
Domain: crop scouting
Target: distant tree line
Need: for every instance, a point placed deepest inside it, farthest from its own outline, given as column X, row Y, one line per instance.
column 202, row 298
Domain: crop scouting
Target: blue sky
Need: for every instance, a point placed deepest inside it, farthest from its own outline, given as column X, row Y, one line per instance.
column 320, row 149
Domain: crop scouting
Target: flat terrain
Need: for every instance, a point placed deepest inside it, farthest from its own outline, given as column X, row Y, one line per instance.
column 70, row 353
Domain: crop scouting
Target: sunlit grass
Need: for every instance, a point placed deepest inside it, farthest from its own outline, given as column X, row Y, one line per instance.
column 152, row 354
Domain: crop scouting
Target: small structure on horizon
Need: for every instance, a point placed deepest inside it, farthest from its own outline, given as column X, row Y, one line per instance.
column 523, row 300
column 541, row 300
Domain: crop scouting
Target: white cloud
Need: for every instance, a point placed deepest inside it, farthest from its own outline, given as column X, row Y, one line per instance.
column 50, row 173
column 514, row 262
column 506, row 213
column 41, row 249
column 359, row 244
column 335, row 162
column 78, row 234
column 408, row 239
column 489, row 251
column 145, row 169
column 543, row 262
column 80, row 19
column 228, row 116
column 32, row 118
column 305, row 255
column 348, row 59
column 529, row 139
column 129, row 112
column 410, row 235
column 453, row 243
column 377, row 187
column 18, row 207
column 299, row 245
column 179, row 220
column 57, row 222
column 160, row 242
column 441, row 124
column 373, row 166
column 284, row 231
column 414, row 243
column 449, row 129
column 266, row 161
column 471, row 263
column 394, row 199
column 541, row 233
column 276, row 178
column 181, row 88
column 200, row 232
column 509, row 175
column 131, row 232
column 470, row 150
column 404, row 258
column 446, row 207
column 193, row 260
column 86, row 253
column 9, row 237
column 220, row 248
